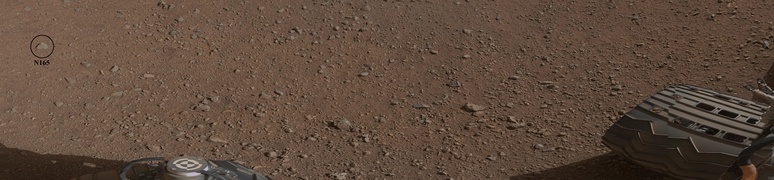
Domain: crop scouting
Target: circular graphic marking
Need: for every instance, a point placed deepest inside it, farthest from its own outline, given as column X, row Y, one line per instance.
column 187, row 164
column 42, row 46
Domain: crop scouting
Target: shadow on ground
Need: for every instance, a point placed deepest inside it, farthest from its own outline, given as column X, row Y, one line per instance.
column 606, row 166
column 16, row 164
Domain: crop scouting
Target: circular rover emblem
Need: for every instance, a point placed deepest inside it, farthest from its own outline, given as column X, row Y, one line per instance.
column 187, row 164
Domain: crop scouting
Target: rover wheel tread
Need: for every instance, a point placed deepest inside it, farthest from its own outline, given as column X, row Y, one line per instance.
column 688, row 132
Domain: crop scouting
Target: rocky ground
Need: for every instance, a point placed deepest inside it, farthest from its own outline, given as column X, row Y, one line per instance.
column 393, row 89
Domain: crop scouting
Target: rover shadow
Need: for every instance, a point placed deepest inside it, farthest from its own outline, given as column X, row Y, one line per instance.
column 606, row 166
column 16, row 164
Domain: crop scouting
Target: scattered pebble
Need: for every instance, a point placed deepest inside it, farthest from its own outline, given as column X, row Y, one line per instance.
column 272, row 154
column 88, row 164
column 201, row 107
column 339, row 176
column 617, row 88
column 366, row 8
column 421, row 106
column 217, row 140
column 153, row 148
column 214, row 99
column 538, row 146
column 114, row 69
column 454, row 84
column 117, row 93
column 148, row 76
column 70, row 80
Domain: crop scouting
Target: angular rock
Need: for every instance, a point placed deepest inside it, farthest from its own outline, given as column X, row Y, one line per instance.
column 272, row 154
column 470, row 107
column 153, row 148
column 70, row 80
column 214, row 99
column 342, row 124
column 217, row 140
column 201, row 107
column 454, row 84
column 117, row 93
column 421, row 106
column 42, row 46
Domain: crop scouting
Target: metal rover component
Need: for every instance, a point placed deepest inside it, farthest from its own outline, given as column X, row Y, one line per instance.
column 769, row 79
column 179, row 168
column 690, row 132
column 186, row 168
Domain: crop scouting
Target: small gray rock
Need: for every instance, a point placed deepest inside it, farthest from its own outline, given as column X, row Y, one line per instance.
column 454, row 84
column 42, row 46
column 538, row 146
column 117, row 93
column 214, row 99
column 272, row 154
column 217, row 140
column 201, row 107
column 339, row 176
column 366, row 8
column 70, row 80
column 88, row 164
column 470, row 107
column 59, row 104
column 342, row 124
column 421, row 106
column 114, row 69
column 86, row 64
column 148, row 76
column 617, row 88
column 153, row 148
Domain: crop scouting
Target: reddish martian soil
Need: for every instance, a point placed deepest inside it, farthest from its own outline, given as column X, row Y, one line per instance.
column 338, row 89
